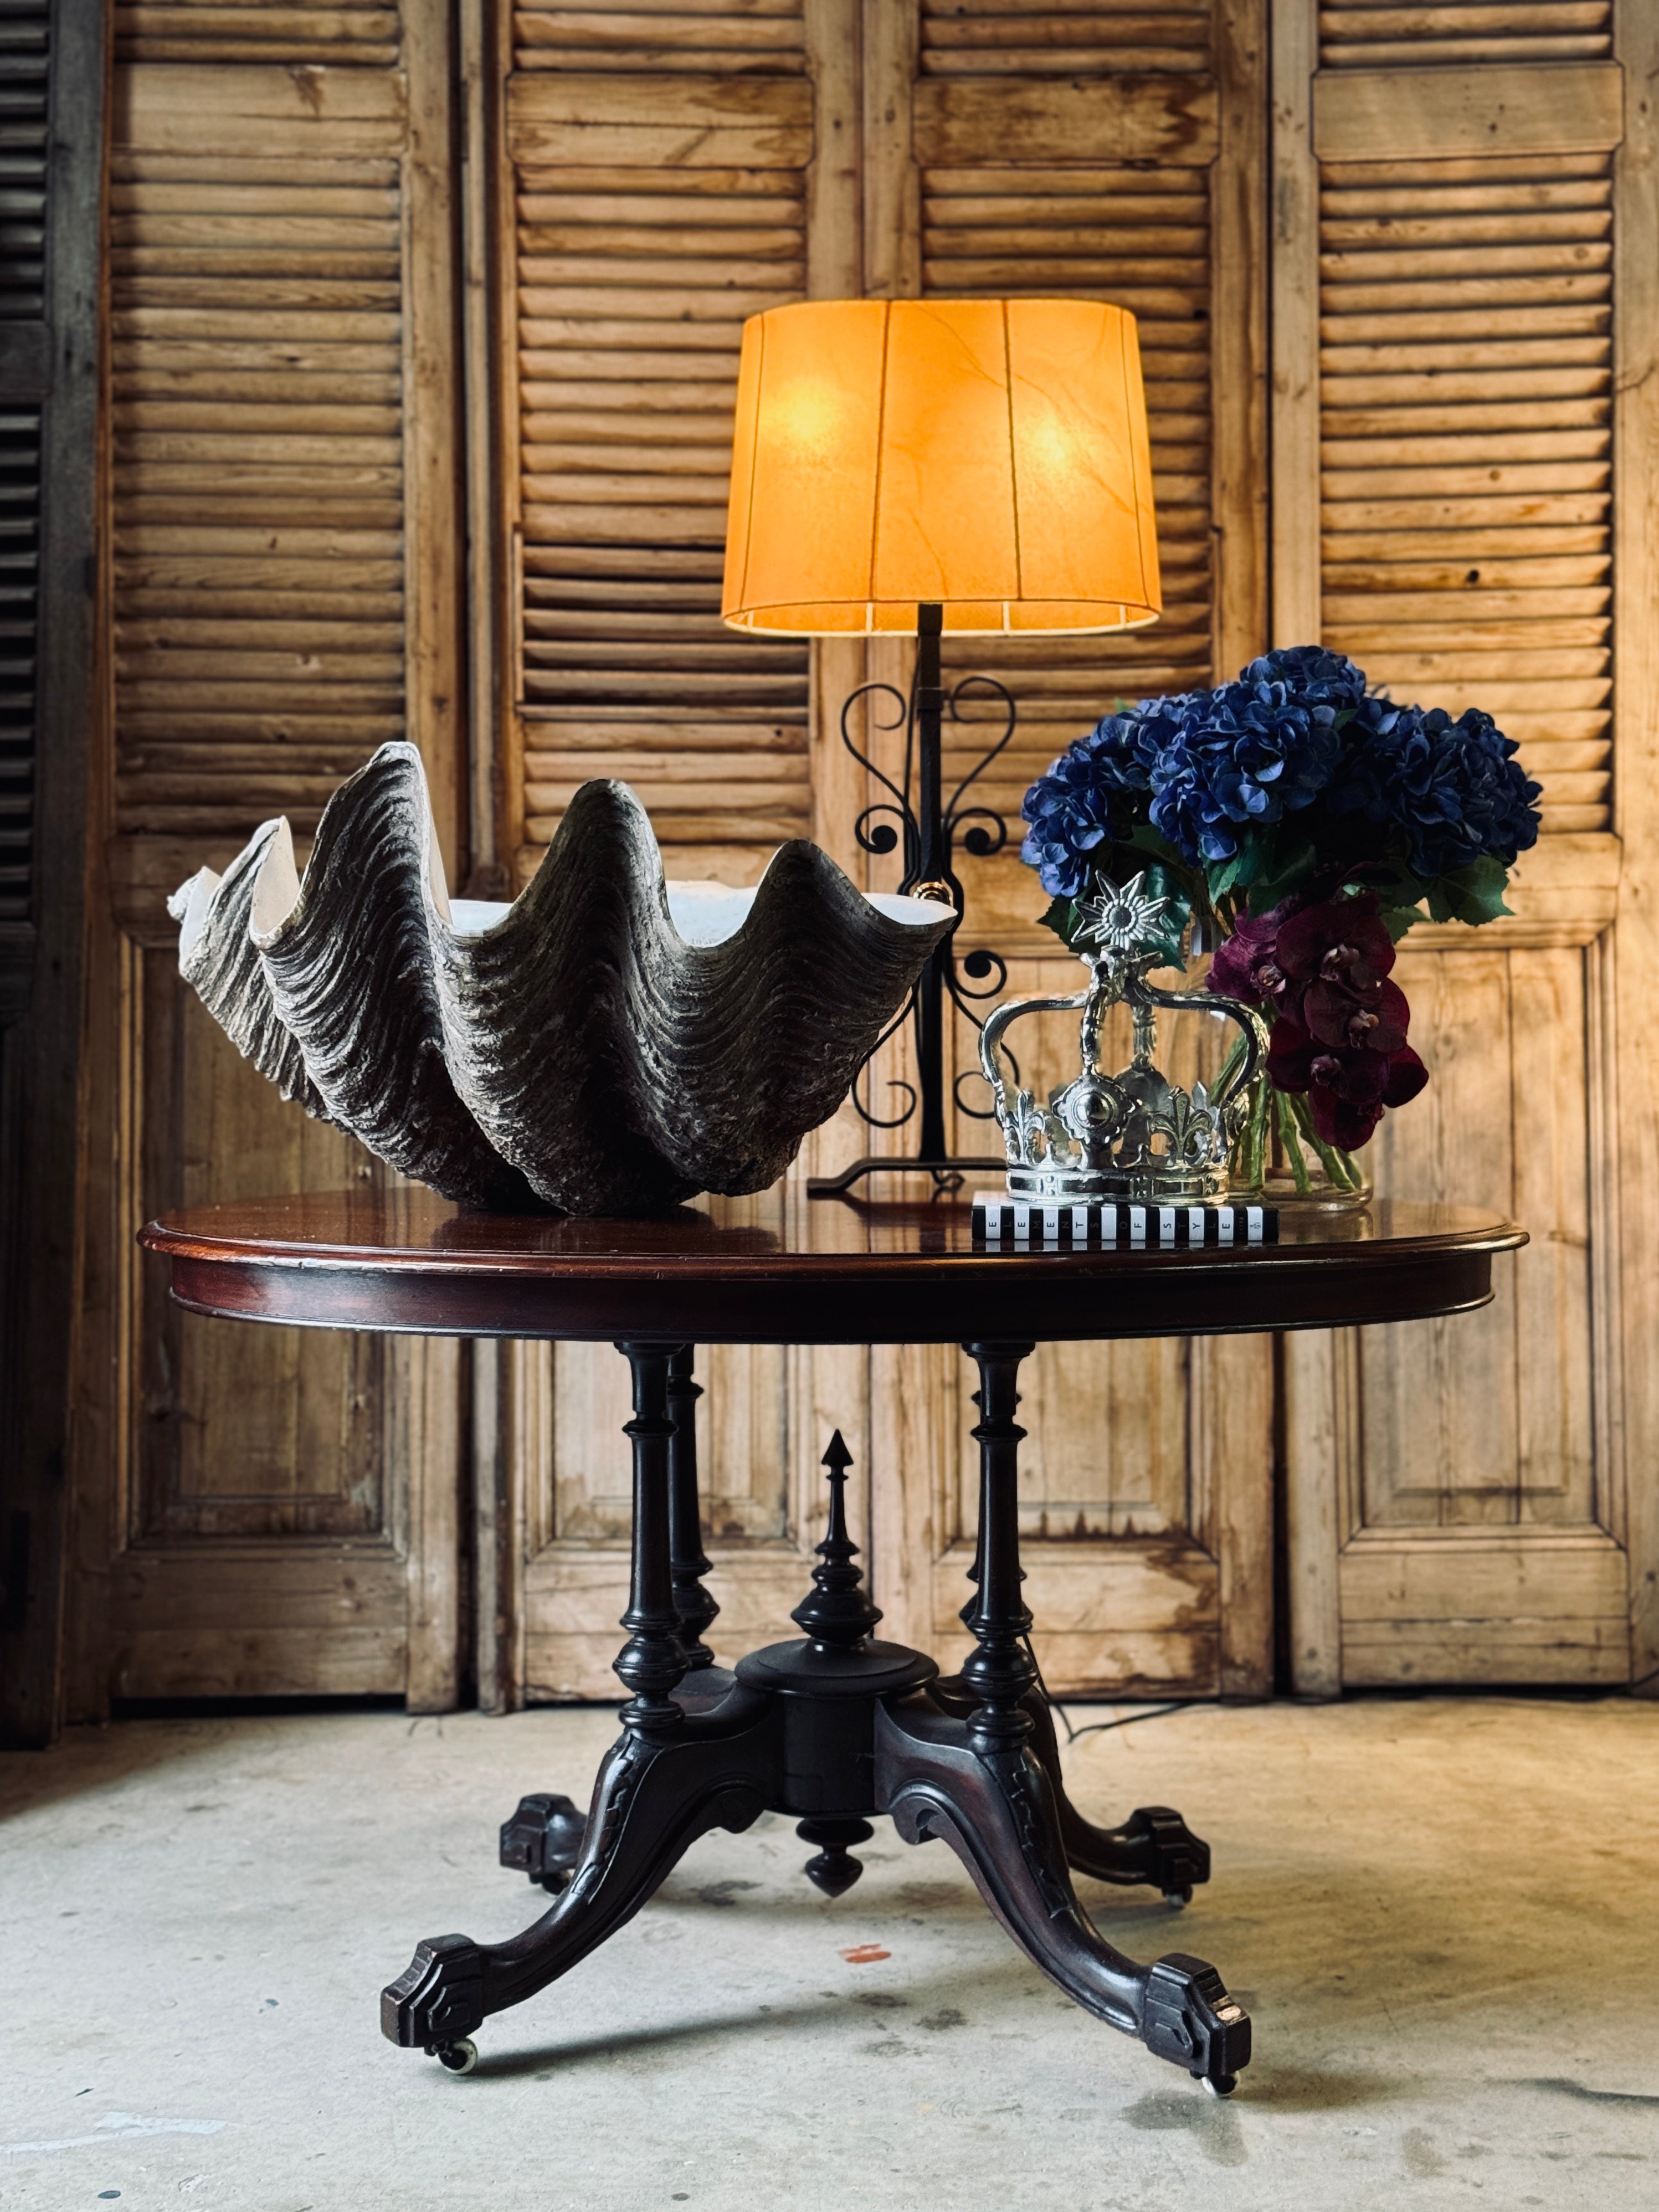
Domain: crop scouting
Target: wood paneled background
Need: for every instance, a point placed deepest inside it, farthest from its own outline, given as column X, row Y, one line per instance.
column 423, row 331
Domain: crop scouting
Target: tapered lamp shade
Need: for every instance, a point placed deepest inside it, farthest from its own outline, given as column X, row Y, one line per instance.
column 989, row 455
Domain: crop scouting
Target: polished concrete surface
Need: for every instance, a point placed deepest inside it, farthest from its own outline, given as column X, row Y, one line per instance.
column 1443, row 1914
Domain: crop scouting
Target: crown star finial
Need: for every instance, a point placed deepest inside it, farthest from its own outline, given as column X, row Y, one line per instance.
column 1122, row 917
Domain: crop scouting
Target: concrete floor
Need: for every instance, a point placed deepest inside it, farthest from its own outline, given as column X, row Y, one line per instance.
column 1442, row 1914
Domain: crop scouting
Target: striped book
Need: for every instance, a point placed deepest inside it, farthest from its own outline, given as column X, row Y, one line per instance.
column 1021, row 1224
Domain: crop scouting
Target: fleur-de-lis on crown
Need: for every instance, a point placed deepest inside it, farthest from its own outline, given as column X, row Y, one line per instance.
column 1121, row 919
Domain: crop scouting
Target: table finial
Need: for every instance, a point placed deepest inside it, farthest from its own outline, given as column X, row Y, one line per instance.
column 837, row 1614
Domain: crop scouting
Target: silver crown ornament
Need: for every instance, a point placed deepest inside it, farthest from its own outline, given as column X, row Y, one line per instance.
column 1135, row 1134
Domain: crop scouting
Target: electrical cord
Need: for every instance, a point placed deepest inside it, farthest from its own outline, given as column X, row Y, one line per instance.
column 1098, row 1728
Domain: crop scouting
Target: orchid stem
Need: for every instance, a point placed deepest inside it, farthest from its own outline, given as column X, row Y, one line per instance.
column 1343, row 1171
column 1290, row 1136
column 1251, row 1149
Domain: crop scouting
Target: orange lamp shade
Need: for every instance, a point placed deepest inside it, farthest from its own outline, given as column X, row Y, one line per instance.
column 988, row 455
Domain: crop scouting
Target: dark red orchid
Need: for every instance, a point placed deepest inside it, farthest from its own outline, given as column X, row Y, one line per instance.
column 1339, row 942
column 1339, row 1033
column 1246, row 964
column 1375, row 1021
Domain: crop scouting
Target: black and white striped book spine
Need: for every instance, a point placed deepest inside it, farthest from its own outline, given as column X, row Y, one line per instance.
column 1006, row 1224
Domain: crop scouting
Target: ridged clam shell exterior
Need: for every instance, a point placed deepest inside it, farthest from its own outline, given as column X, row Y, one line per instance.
column 579, row 1054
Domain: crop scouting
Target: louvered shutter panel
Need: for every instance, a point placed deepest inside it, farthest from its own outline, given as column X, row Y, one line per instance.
column 23, row 103
column 257, row 302
column 1079, row 155
column 282, row 511
column 1466, row 376
column 1459, row 329
column 51, row 109
column 658, row 196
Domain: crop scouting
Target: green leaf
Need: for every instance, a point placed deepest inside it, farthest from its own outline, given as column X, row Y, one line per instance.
column 1145, row 839
column 1221, row 875
column 1290, row 872
column 1061, row 917
column 1397, row 919
column 1474, row 893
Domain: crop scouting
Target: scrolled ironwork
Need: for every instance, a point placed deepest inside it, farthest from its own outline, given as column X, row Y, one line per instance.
column 980, row 830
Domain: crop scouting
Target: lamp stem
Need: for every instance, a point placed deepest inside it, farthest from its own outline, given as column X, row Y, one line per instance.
column 932, row 880
column 930, row 864
column 928, row 874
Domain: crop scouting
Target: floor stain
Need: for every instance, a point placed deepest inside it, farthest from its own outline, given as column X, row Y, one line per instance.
column 1212, row 2122
column 1416, row 2148
column 723, row 1892
column 1562, row 2087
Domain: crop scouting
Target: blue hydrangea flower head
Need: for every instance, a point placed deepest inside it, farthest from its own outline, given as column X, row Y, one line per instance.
column 1453, row 786
column 1070, row 809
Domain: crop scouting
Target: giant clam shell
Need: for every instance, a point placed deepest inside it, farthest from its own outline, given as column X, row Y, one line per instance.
column 609, row 1044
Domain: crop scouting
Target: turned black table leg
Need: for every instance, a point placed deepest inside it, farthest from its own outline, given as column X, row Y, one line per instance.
column 1154, row 1846
column 543, row 1840
column 673, row 1775
column 977, row 1782
column 1002, row 1672
column 688, row 1560
column 651, row 1664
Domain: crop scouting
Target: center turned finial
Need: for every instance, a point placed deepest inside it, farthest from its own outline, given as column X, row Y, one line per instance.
column 837, row 1614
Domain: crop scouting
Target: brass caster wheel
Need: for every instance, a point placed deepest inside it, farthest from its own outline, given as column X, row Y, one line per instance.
column 1221, row 2085
column 458, row 2058
column 1177, row 1899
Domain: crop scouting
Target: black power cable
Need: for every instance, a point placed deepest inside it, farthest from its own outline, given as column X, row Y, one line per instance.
column 1099, row 1728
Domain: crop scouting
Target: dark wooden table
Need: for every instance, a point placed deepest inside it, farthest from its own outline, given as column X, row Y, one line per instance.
column 835, row 1725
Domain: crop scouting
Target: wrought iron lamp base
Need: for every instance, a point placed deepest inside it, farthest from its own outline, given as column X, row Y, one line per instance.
column 925, row 832
column 949, row 1172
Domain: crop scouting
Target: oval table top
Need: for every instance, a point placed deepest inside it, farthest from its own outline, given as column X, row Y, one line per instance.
column 782, row 1268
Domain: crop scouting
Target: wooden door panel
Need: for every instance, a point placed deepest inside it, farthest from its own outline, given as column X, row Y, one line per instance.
column 289, row 1521
column 1125, row 173
column 1453, row 304
column 248, row 1432
column 261, row 1512
column 1488, row 1418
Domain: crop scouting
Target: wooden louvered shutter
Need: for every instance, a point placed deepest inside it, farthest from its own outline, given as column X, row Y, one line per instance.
column 666, row 174
column 657, row 170
column 1450, row 319
column 663, row 174
column 283, row 516
column 52, row 71
column 1081, row 153
column 1116, row 155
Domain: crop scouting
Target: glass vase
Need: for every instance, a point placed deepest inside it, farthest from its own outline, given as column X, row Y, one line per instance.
column 1279, row 1152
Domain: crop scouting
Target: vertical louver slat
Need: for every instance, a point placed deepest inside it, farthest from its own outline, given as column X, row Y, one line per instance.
column 24, row 37
column 1353, row 35
column 257, row 356
column 20, row 517
column 23, row 65
column 636, row 264
column 1115, row 38
column 256, row 31
column 1138, row 236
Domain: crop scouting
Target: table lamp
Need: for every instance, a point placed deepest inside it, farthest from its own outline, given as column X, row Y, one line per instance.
column 975, row 467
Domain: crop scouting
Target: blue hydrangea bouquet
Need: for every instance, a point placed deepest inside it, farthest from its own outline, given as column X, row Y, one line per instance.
column 1299, row 823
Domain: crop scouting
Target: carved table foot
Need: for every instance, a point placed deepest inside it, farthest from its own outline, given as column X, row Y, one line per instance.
column 654, row 1797
column 995, row 1808
column 1154, row 1847
column 542, row 1840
